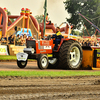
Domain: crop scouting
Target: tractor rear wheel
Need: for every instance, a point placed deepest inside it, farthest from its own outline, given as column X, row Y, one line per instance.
column 71, row 55
column 42, row 61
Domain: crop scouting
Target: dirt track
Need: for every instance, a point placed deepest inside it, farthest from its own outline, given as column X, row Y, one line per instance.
column 31, row 66
column 63, row 88
column 13, row 66
column 47, row 88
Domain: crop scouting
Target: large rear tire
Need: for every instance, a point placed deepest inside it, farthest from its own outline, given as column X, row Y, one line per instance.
column 42, row 62
column 71, row 55
column 21, row 64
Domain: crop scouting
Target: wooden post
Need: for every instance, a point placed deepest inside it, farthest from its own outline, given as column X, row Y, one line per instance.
column 14, row 39
column 23, row 23
column 7, row 40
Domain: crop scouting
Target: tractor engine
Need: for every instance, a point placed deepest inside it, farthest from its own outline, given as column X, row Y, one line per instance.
column 36, row 47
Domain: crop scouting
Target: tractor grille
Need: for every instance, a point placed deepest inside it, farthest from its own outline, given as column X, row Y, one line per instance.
column 31, row 44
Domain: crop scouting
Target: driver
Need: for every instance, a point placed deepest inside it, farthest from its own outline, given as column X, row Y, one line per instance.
column 58, row 36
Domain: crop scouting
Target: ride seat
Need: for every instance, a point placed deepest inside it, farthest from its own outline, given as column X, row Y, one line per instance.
column 50, row 24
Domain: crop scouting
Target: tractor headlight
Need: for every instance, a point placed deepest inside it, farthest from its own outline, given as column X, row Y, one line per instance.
column 29, row 50
column 32, row 51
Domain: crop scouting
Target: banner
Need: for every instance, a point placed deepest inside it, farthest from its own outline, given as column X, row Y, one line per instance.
column 98, row 52
column 3, row 50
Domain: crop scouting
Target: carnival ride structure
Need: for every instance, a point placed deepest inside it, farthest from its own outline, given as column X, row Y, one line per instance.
column 24, row 20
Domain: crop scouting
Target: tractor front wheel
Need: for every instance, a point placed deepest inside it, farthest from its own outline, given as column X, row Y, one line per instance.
column 21, row 64
column 42, row 62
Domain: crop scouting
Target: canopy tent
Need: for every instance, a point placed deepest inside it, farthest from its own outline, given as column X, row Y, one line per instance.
column 26, row 31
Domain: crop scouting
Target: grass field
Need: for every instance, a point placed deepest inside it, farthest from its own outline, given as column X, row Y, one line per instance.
column 43, row 73
column 48, row 73
column 8, row 57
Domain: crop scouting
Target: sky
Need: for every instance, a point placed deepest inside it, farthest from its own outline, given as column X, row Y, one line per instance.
column 55, row 8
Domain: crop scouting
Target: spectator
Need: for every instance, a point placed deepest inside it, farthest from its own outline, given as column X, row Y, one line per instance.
column 9, row 37
column 11, row 41
column 84, row 43
column 90, row 43
column 34, row 37
column 87, row 42
column 3, row 40
column 80, row 42
column 40, row 37
column 29, row 38
column 21, row 40
column 24, row 40
column 47, row 19
column 95, row 43
column 15, row 30
column 18, row 40
column 99, row 44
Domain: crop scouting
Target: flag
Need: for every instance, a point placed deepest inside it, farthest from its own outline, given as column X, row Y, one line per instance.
column 45, row 14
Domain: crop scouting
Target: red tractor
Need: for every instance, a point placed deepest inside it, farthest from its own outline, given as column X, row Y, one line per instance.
column 68, row 55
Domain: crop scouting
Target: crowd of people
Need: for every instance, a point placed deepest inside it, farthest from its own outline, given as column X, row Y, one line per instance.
column 89, row 42
column 17, row 40
column 21, row 40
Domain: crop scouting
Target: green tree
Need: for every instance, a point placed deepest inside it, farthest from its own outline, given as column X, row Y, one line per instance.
column 75, row 32
column 39, row 18
column 9, row 13
column 89, row 8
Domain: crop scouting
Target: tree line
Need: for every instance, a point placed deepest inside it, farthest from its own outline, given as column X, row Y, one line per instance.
column 89, row 8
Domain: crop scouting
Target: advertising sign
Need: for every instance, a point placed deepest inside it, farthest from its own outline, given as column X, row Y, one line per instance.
column 98, row 52
column 3, row 50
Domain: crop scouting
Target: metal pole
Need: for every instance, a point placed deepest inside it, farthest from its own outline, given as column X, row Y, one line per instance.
column 45, row 14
